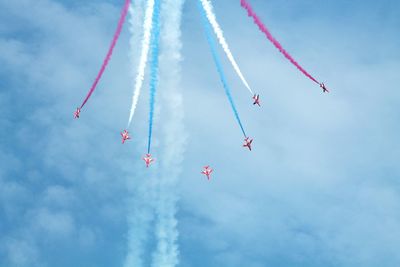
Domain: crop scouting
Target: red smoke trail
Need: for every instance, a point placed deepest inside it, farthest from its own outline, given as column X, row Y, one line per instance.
column 110, row 51
column 264, row 29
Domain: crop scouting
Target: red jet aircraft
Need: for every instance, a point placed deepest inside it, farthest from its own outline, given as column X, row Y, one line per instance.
column 125, row 136
column 77, row 113
column 247, row 142
column 148, row 160
column 256, row 99
column 324, row 89
column 207, row 171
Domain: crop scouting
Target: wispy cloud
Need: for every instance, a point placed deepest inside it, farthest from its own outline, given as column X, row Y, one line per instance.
column 320, row 187
column 46, row 174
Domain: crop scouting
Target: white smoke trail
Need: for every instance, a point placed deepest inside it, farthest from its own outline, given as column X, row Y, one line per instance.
column 208, row 8
column 159, row 193
column 140, row 218
column 136, row 10
column 141, row 207
column 174, row 138
column 147, row 26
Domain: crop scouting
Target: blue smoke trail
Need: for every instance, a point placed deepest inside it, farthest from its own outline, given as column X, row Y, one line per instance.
column 154, row 66
column 218, row 64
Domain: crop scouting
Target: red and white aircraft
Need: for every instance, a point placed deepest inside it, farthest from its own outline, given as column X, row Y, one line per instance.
column 77, row 113
column 324, row 89
column 148, row 160
column 256, row 99
column 207, row 171
column 125, row 136
column 247, row 142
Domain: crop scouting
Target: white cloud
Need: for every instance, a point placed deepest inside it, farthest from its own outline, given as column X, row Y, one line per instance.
column 54, row 224
column 21, row 253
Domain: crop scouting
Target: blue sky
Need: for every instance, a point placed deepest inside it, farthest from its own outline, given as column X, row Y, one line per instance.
column 320, row 187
